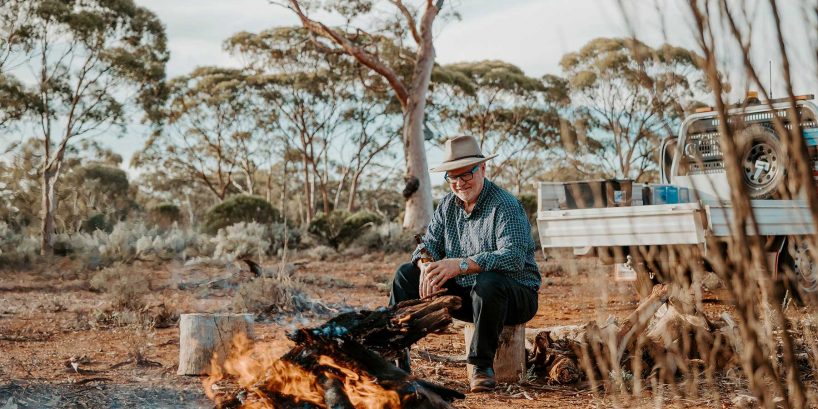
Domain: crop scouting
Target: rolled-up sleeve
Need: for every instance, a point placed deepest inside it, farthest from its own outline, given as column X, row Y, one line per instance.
column 513, row 233
column 433, row 239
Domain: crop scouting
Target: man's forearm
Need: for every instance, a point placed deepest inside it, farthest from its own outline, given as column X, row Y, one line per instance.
column 473, row 267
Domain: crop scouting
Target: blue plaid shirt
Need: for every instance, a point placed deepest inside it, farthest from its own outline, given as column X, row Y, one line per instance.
column 496, row 235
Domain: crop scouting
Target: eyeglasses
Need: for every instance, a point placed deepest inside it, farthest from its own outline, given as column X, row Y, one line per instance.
column 465, row 176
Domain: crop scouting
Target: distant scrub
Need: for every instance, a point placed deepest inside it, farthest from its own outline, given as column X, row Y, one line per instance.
column 164, row 215
column 388, row 237
column 241, row 240
column 340, row 227
column 529, row 203
column 96, row 222
column 240, row 208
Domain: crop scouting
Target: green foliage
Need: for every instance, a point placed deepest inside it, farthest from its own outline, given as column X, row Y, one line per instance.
column 108, row 180
column 164, row 215
column 627, row 96
column 340, row 227
column 239, row 208
column 96, row 222
column 529, row 203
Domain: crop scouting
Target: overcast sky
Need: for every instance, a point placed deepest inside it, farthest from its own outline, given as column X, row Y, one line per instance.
column 532, row 34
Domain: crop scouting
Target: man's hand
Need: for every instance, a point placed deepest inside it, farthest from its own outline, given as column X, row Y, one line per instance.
column 439, row 272
column 426, row 287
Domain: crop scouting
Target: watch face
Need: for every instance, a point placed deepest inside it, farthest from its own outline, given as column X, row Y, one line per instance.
column 464, row 265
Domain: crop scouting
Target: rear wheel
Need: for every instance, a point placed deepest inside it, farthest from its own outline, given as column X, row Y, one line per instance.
column 798, row 268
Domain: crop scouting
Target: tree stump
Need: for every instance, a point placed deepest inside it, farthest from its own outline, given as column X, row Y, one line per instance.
column 203, row 335
column 509, row 361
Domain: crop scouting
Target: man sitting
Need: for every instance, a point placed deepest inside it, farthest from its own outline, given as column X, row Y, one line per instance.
column 481, row 240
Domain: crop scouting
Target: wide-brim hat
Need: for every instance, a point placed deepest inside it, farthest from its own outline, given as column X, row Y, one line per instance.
column 461, row 151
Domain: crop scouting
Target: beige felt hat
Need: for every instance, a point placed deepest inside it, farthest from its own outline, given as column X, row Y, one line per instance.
column 461, row 151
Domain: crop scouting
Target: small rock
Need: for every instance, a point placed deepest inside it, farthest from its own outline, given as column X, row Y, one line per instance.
column 711, row 281
column 744, row 402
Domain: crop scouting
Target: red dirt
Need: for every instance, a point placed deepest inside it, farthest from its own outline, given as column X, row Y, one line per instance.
column 46, row 318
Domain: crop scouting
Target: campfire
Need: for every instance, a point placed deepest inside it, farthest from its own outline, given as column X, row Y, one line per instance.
column 344, row 363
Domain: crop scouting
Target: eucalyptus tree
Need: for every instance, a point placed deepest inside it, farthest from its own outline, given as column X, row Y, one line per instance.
column 306, row 92
column 15, row 45
column 510, row 113
column 87, row 64
column 372, row 128
column 210, row 132
column 627, row 96
column 397, row 50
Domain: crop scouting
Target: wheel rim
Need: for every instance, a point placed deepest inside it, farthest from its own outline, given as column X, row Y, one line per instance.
column 761, row 165
column 805, row 268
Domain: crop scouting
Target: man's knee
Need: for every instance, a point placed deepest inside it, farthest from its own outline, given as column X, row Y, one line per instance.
column 490, row 284
column 407, row 272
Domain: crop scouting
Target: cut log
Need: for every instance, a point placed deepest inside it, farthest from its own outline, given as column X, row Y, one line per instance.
column 509, row 361
column 205, row 336
column 659, row 334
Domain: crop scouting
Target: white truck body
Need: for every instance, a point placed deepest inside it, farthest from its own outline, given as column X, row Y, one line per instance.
column 708, row 214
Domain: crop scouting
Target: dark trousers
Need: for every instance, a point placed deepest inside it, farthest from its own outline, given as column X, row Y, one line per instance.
column 493, row 301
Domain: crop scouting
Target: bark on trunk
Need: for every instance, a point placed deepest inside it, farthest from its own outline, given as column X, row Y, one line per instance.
column 49, row 206
column 307, row 191
column 353, row 191
column 419, row 203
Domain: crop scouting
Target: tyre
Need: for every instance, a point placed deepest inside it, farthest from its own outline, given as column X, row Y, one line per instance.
column 800, row 260
column 762, row 160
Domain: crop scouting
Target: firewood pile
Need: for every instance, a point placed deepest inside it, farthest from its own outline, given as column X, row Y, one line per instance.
column 659, row 335
column 347, row 363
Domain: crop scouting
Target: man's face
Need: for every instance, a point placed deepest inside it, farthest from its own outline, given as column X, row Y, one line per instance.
column 467, row 191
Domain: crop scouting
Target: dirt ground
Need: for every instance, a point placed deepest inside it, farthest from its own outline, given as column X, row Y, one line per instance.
column 49, row 318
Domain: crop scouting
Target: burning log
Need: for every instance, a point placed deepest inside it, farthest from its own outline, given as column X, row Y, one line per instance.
column 346, row 363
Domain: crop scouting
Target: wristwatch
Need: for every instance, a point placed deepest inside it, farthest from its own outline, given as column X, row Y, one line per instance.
column 464, row 265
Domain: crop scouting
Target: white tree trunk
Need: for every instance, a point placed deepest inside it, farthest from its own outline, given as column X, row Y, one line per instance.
column 49, row 207
column 419, row 204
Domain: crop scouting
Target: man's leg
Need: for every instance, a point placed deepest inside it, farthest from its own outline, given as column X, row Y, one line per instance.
column 406, row 284
column 497, row 300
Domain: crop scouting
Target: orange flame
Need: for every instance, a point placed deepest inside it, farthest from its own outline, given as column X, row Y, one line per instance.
column 258, row 370
column 363, row 391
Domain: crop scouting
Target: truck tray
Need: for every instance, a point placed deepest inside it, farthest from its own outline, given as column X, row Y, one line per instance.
column 680, row 223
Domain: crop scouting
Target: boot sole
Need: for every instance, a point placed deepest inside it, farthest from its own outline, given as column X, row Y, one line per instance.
column 482, row 388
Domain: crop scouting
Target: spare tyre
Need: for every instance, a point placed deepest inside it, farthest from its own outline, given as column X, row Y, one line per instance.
column 762, row 161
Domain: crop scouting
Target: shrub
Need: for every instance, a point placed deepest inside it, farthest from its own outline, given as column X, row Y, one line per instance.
column 339, row 227
column 241, row 240
column 529, row 203
column 96, row 222
column 164, row 215
column 388, row 237
column 16, row 248
column 266, row 295
column 277, row 231
column 240, row 208
column 321, row 252
column 126, row 242
column 124, row 288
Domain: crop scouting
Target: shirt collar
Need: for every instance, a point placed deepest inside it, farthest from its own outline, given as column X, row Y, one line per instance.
column 487, row 185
